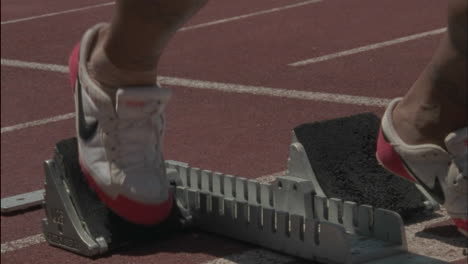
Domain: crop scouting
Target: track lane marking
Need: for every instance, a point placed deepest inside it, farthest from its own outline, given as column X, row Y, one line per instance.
column 201, row 25
column 254, row 256
column 263, row 12
column 34, row 65
column 368, row 47
column 12, row 21
column 199, row 84
column 38, row 122
column 22, row 243
column 277, row 92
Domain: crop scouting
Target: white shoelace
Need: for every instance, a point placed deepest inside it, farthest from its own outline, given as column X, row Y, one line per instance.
column 139, row 142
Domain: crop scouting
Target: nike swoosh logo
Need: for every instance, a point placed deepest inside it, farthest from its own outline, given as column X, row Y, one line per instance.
column 86, row 131
column 436, row 191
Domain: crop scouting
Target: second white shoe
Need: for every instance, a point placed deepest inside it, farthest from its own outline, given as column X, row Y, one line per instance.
column 442, row 173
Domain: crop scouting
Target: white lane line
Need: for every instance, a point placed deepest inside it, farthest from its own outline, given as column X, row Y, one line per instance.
column 34, row 65
column 198, row 84
column 38, row 122
column 254, row 256
column 55, row 13
column 368, row 47
column 202, row 25
column 276, row 92
column 22, row 243
column 267, row 11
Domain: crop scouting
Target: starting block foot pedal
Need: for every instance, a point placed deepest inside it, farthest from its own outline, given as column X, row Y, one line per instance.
column 338, row 155
column 78, row 221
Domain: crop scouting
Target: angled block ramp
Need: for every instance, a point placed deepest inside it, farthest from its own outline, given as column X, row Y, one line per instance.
column 338, row 156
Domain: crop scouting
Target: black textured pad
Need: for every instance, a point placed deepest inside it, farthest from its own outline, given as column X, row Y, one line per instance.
column 101, row 221
column 342, row 155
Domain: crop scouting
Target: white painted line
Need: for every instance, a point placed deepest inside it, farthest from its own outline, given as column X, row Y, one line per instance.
column 38, row 122
column 198, row 84
column 254, row 256
column 55, row 13
column 276, row 92
column 22, row 243
column 267, row 11
column 34, row 65
column 368, row 47
column 202, row 25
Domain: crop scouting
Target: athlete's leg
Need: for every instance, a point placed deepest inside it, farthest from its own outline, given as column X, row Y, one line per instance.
column 424, row 136
column 437, row 102
column 120, row 108
column 128, row 50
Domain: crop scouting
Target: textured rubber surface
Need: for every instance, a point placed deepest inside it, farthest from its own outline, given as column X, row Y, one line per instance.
column 342, row 155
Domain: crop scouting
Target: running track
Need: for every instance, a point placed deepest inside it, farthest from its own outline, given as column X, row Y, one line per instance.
column 244, row 73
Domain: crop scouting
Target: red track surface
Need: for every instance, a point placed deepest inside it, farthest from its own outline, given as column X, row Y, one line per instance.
column 241, row 134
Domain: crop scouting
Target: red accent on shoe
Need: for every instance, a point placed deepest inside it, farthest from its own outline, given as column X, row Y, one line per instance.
column 133, row 211
column 461, row 224
column 73, row 65
column 389, row 158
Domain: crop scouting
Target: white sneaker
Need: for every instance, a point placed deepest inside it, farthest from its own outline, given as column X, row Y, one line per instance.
column 120, row 147
column 441, row 173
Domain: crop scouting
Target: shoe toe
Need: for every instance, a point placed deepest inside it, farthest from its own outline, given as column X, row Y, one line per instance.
column 146, row 187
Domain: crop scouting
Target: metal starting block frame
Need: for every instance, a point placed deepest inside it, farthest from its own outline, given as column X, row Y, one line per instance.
column 289, row 215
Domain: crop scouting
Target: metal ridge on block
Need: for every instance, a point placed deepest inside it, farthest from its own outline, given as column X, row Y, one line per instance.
column 288, row 217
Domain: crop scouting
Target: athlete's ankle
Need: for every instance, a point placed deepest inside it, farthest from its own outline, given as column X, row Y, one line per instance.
column 108, row 75
column 419, row 124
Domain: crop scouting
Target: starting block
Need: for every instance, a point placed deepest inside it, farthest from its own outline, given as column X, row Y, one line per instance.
column 303, row 213
column 78, row 221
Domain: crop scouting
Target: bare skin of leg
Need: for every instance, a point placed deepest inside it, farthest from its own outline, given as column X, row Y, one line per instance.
column 126, row 53
column 436, row 104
